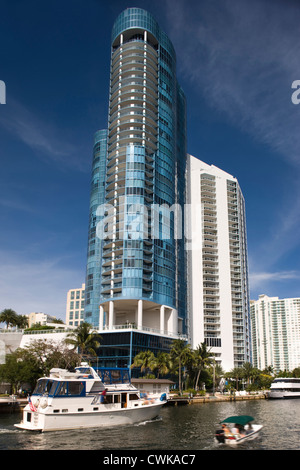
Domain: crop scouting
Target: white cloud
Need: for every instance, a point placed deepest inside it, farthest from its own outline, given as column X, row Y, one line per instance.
column 243, row 57
column 282, row 284
column 44, row 138
column 258, row 278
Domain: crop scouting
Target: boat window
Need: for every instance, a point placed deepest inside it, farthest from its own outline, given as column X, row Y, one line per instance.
column 287, row 380
column 61, row 389
column 43, row 386
column 133, row 396
column 117, row 398
column 97, row 387
column 76, row 388
column 70, row 389
column 108, row 399
column 85, row 371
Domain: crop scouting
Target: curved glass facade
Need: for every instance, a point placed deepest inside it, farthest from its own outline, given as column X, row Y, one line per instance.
column 143, row 259
column 94, row 253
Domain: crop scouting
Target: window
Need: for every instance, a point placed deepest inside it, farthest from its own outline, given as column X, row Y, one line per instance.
column 70, row 389
column 133, row 396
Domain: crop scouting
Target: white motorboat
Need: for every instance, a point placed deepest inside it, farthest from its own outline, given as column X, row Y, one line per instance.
column 237, row 429
column 284, row 388
column 80, row 399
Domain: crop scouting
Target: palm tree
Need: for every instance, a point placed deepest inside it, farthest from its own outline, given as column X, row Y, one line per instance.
column 8, row 316
column 202, row 358
column 145, row 360
column 162, row 363
column 22, row 321
column 180, row 352
column 84, row 339
column 248, row 371
column 237, row 373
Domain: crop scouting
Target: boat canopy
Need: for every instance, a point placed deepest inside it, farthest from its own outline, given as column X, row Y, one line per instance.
column 242, row 419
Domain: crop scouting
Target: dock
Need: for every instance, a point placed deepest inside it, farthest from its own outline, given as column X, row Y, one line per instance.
column 11, row 404
column 178, row 401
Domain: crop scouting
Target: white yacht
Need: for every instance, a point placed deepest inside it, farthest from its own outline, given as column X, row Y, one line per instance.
column 285, row 388
column 80, row 399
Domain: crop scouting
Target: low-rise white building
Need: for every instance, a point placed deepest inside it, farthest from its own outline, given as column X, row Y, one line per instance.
column 153, row 388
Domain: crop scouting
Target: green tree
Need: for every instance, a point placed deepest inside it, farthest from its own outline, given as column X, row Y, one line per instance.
column 16, row 371
column 201, row 358
column 296, row 372
column 26, row 365
column 8, row 316
column 145, row 360
column 22, row 321
column 162, row 363
column 237, row 373
column 181, row 354
column 85, row 340
column 248, row 370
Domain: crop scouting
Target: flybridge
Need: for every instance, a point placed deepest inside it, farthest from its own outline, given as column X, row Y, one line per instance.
column 114, row 375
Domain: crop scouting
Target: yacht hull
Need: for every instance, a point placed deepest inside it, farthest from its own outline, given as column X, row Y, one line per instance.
column 43, row 422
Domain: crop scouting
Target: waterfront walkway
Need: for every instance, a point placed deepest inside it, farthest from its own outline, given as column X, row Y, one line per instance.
column 12, row 403
column 218, row 397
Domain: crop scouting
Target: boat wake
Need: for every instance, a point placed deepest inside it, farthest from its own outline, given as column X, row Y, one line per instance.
column 147, row 421
column 7, row 431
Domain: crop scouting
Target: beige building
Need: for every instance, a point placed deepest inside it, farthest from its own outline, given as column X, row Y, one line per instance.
column 41, row 318
column 75, row 306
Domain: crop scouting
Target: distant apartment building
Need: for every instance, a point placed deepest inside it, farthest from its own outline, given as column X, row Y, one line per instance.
column 218, row 293
column 275, row 332
column 75, row 306
column 40, row 318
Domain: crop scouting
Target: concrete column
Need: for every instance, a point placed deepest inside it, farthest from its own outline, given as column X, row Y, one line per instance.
column 101, row 318
column 162, row 318
column 174, row 321
column 111, row 315
column 140, row 315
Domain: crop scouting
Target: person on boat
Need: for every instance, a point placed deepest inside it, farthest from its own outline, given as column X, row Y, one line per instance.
column 238, row 430
column 235, row 430
column 226, row 430
column 249, row 429
column 103, row 396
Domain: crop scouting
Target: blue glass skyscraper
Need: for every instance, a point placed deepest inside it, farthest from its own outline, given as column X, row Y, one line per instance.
column 136, row 270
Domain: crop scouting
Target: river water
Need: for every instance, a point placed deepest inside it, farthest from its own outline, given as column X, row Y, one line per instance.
column 182, row 428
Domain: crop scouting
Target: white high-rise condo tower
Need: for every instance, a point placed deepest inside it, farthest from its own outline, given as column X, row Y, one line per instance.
column 218, row 269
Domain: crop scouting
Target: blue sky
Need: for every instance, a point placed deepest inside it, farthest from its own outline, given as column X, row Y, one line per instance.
column 236, row 61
